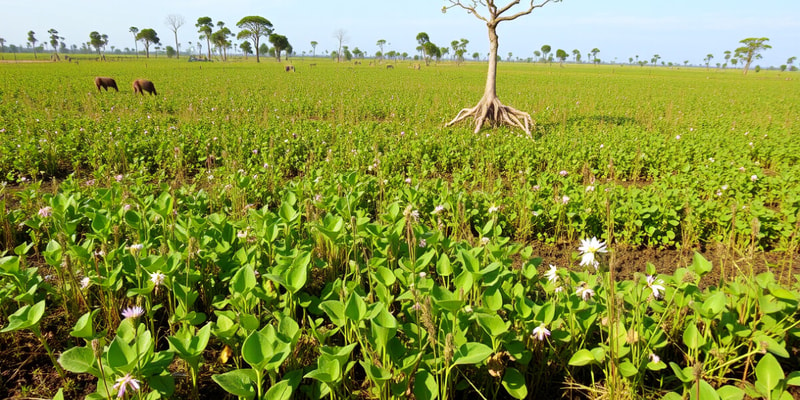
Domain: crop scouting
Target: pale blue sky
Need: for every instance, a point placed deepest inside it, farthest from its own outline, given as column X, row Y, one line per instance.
column 677, row 30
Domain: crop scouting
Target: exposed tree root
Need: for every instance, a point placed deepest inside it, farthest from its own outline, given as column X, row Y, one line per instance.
column 491, row 111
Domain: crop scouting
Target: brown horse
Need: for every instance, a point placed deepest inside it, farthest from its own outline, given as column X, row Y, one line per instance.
column 105, row 83
column 143, row 85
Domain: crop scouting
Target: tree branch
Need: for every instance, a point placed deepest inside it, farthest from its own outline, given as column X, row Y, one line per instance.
column 470, row 9
column 531, row 7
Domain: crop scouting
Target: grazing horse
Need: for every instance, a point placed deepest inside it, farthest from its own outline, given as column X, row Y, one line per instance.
column 289, row 68
column 143, row 85
column 389, row 66
column 105, row 83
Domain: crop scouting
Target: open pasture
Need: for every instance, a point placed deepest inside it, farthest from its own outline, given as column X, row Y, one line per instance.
column 319, row 233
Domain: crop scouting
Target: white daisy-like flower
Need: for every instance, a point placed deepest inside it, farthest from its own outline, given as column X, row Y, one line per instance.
column 85, row 282
column 584, row 291
column 493, row 208
column 552, row 273
column 589, row 248
column 655, row 359
column 157, row 278
column 656, row 285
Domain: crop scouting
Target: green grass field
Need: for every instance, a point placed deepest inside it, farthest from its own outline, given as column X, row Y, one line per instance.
column 325, row 233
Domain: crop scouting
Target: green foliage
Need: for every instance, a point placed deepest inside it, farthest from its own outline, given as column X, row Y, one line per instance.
column 326, row 230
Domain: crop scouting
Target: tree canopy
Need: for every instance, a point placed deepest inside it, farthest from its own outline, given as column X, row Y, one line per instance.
column 148, row 36
column 253, row 28
column 205, row 27
column 280, row 43
column 752, row 50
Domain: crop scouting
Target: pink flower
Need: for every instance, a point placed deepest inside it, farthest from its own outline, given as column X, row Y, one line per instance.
column 46, row 212
column 133, row 312
column 124, row 383
column 540, row 332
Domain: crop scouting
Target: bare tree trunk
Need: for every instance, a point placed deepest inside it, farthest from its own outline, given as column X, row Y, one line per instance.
column 489, row 109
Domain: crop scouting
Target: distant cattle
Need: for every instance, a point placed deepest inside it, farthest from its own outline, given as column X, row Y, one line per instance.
column 105, row 83
column 389, row 66
column 416, row 66
column 356, row 62
column 143, row 85
column 289, row 68
column 312, row 65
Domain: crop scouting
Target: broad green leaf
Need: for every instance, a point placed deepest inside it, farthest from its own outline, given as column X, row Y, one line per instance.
column 492, row 324
column 769, row 372
column 83, row 328
column 335, row 311
column 729, row 392
column 714, row 304
column 700, row 265
column 78, row 360
column 514, row 383
column 443, row 266
column 706, row 392
column 627, row 369
column 244, row 280
column 297, row 274
column 26, row 317
column 239, row 382
column 471, row 353
column 120, row 355
column 257, row 350
column 582, row 357
column 684, row 374
column 356, row 308
column 425, row 387
column 284, row 389
column 376, row 374
column 692, row 337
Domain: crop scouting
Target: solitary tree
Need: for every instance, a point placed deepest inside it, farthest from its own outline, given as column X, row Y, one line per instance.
column 148, row 36
column 489, row 109
column 577, row 54
column 2, row 45
column 708, row 59
column 380, row 44
column 253, row 28
column 134, row 30
column 314, row 48
column 54, row 38
column 96, row 41
column 32, row 41
column 751, row 50
column 205, row 26
column 341, row 37
column 546, row 50
column 174, row 22
column 594, row 55
column 561, row 55
column 280, row 43
column 246, row 48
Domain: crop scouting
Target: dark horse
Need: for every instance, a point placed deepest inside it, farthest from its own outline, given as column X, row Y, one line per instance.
column 105, row 83
column 142, row 85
